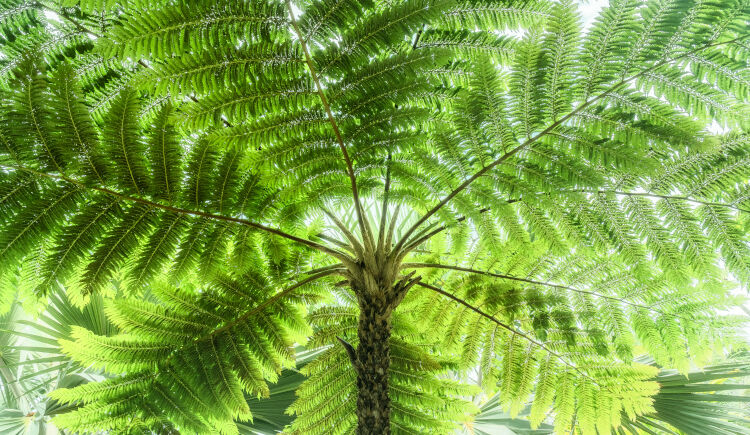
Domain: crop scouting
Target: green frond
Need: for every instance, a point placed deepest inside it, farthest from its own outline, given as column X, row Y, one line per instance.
column 658, row 22
column 619, row 229
column 201, row 164
column 720, row 226
column 610, row 35
column 117, row 246
column 488, row 104
column 175, row 346
column 544, row 393
column 559, row 49
column 255, row 134
column 324, row 18
column 696, row 98
column 499, row 48
column 42, row 216
column 78, row 238
column 187, row 26
column 565, row 403
column 687, row 231
column 721, row 71
column 203, row 71
column 75, row 126
column 379, row 30
column 115, row 353
column 159, row 248
column 249, row 102
column 124, row 144
column 526, row 84
column 30, row 113
column 16, row 15
column 492, row 15
column 649, row 227
column 165, row 156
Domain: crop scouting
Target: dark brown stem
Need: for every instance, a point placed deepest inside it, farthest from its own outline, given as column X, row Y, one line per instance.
column 551, row 127
column 349, row 350
column 674, row 197
column 416, row 38
column 364, row 228
column 377, row 296
column 392, row 227
column 317, row 246
column 384, row 211
column 529, row 281
column 352, row 240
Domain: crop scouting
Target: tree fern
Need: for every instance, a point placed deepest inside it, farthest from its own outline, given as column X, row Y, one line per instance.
column 421, row 192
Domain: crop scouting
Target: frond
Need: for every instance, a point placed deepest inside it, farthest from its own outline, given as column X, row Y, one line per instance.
column 75, row 126
column 123, row 143
column 187, row 26
column 561, row 42
column 172, row 349
column 526, row 84
column 165, row 156
column 117, row 247
column 721, row 228
column 249, row 102
column 41, row 217
column 610, row 35
column 496, row 15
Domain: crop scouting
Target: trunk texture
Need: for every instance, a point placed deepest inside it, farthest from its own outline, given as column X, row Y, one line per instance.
column 373, row 358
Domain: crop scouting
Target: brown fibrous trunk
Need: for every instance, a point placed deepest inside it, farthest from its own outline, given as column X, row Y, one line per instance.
column 373, row 359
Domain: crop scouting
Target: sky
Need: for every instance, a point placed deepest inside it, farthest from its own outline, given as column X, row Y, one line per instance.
column 590, row 9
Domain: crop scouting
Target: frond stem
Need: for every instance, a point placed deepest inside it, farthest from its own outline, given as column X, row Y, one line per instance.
column 530, row 281
column 322, row 248
column 80, row 27
column 349, row 167
column 655, row 195
column 508, row 328
column 336, row 242
column 384, row 210
column 337, row 267
column 551, row 127
column 392, row 227
column 249, row 313
column 348, row 234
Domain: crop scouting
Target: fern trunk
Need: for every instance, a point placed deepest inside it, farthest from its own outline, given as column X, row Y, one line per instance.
column 373, row 357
